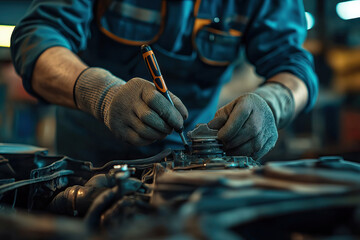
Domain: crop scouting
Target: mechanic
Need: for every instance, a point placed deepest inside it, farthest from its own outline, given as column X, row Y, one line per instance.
column 85, row 55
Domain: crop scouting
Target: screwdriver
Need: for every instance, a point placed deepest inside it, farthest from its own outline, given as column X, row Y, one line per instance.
column 159, row 82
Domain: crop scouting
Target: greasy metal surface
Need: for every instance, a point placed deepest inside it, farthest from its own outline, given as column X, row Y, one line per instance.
column 11, row 148
column 202, row 131
column 204, row 142
column 206, row 152
column 183, row 161
column 304, row 197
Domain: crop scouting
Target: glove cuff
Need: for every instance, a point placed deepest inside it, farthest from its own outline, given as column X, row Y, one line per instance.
column 94, row 90
column 280, row 100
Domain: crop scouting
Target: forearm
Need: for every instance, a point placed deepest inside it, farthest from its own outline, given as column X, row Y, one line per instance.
column 55, row 74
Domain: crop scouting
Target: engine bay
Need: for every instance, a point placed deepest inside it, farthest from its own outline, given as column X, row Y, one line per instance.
column 195, row 193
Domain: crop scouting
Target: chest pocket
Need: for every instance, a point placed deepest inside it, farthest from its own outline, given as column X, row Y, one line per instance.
column 131, row 22
column 216, row 35
column 217, row 47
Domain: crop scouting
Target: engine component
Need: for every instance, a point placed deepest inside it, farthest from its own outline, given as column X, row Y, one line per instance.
column 76, row 200
column 307, row 198
column 205, row 142
column 206, row 151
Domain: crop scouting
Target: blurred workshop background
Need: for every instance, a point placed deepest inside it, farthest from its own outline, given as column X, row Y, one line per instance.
column 332, row 128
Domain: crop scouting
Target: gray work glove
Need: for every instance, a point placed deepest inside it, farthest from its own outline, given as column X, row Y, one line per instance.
column 134, row 111
column 248, row 125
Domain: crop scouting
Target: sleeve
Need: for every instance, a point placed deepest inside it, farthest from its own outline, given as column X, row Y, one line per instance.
column 274, row 38
column 49, row 23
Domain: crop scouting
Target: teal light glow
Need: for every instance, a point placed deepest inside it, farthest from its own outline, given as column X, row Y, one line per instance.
column 310, row 20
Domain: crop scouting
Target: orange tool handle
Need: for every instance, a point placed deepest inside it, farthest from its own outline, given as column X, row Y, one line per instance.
column 154, row 70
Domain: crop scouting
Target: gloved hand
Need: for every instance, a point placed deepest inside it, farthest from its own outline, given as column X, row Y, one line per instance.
column 134, row 111
column 248, row 125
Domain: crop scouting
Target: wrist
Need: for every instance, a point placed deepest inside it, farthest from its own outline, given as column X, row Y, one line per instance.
column 281, row 102
column 94, row 90
column 296, row 87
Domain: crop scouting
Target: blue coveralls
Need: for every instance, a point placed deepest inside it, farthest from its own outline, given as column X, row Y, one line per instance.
column 197, row 44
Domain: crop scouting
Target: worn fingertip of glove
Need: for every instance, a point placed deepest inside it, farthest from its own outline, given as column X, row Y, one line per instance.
column 215, row 124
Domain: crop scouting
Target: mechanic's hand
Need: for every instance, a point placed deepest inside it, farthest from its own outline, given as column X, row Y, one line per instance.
column 246, row 126
column 139, row 114
column 134, row 111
